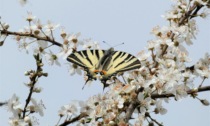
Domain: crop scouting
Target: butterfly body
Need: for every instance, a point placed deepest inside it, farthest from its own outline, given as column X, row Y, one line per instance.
column 107, row 63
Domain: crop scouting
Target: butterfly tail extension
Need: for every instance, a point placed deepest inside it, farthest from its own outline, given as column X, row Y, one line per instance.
column 104, row 84
column 90, row 77
column 85, row 83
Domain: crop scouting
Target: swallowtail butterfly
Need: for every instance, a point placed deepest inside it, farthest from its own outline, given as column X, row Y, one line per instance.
column 107, row 63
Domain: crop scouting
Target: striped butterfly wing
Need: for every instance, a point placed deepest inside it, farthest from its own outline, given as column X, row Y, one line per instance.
column 88, row 59
column 118, row 62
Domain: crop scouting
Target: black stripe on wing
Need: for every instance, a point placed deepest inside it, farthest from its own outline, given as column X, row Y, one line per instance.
column 84, row 58
column 97, row 54
column 77, row 58
column 121, row 60
column 132, row 66
column 74, row 59
column 118, row 55
column 86, row 55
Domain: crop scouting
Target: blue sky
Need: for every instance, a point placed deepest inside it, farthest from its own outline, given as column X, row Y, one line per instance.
column 111, row 21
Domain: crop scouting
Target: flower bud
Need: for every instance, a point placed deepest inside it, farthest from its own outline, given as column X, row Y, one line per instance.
column 151, row 124
column 45, row 74
column 28, row 84
column 27, row 73
column 37, row 89
column 17, row 38
column 6, row 26
column 1, row 43
column 65, row 42
column 27, row 119
column 111, row 123
column 36, row 32
column 63, row 35
column 205, row 102
column 74, row 40
column 40, row 64
column 156, row 111
column 153, row 70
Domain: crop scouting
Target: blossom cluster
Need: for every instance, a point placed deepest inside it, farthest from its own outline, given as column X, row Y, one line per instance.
column 16, row 108
column 162, row 72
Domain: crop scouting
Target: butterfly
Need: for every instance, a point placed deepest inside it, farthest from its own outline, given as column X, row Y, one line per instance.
column 106, row 63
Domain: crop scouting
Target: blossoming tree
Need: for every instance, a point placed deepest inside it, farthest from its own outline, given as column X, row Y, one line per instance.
column 132, row 97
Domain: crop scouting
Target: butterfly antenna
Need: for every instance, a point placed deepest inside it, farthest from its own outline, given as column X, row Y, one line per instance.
column 119, row 44
column 115, row 45
column 107, row 43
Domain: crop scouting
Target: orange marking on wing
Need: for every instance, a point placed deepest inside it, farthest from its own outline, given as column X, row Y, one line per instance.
column 104, row 72
column 96, row 71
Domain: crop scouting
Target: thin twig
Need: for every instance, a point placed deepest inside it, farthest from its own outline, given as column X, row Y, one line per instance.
column 82, row 115
column 33, row 80
column 2, row 103
column 202, row 82
column 148, row 115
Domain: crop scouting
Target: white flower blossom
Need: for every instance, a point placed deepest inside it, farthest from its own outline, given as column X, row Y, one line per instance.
column 30, row 17
column 202, row 70
column 5, row 26
column 180, row 91
column 120, row 102
column 66, row 50
column 90, row 44
column 159, row 108
column 144, row 102
column 74, row 69
column 202, row 2
column 17, row 122
column 49, row 28
column 37, row 107
column 14, row 106
column 52, row 58
column 69, row 110
column 40, row 49
column 23, row 45
column 139, row 121
column 23, row 2
column 74, row 39
column 205, row 13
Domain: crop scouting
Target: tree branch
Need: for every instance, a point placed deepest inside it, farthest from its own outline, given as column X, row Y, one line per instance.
column 134, row 104
column 192, row 91
column 6, row 32
column 130, row 110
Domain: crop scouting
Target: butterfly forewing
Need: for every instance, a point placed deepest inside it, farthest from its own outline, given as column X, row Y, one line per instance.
column 86, row 58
